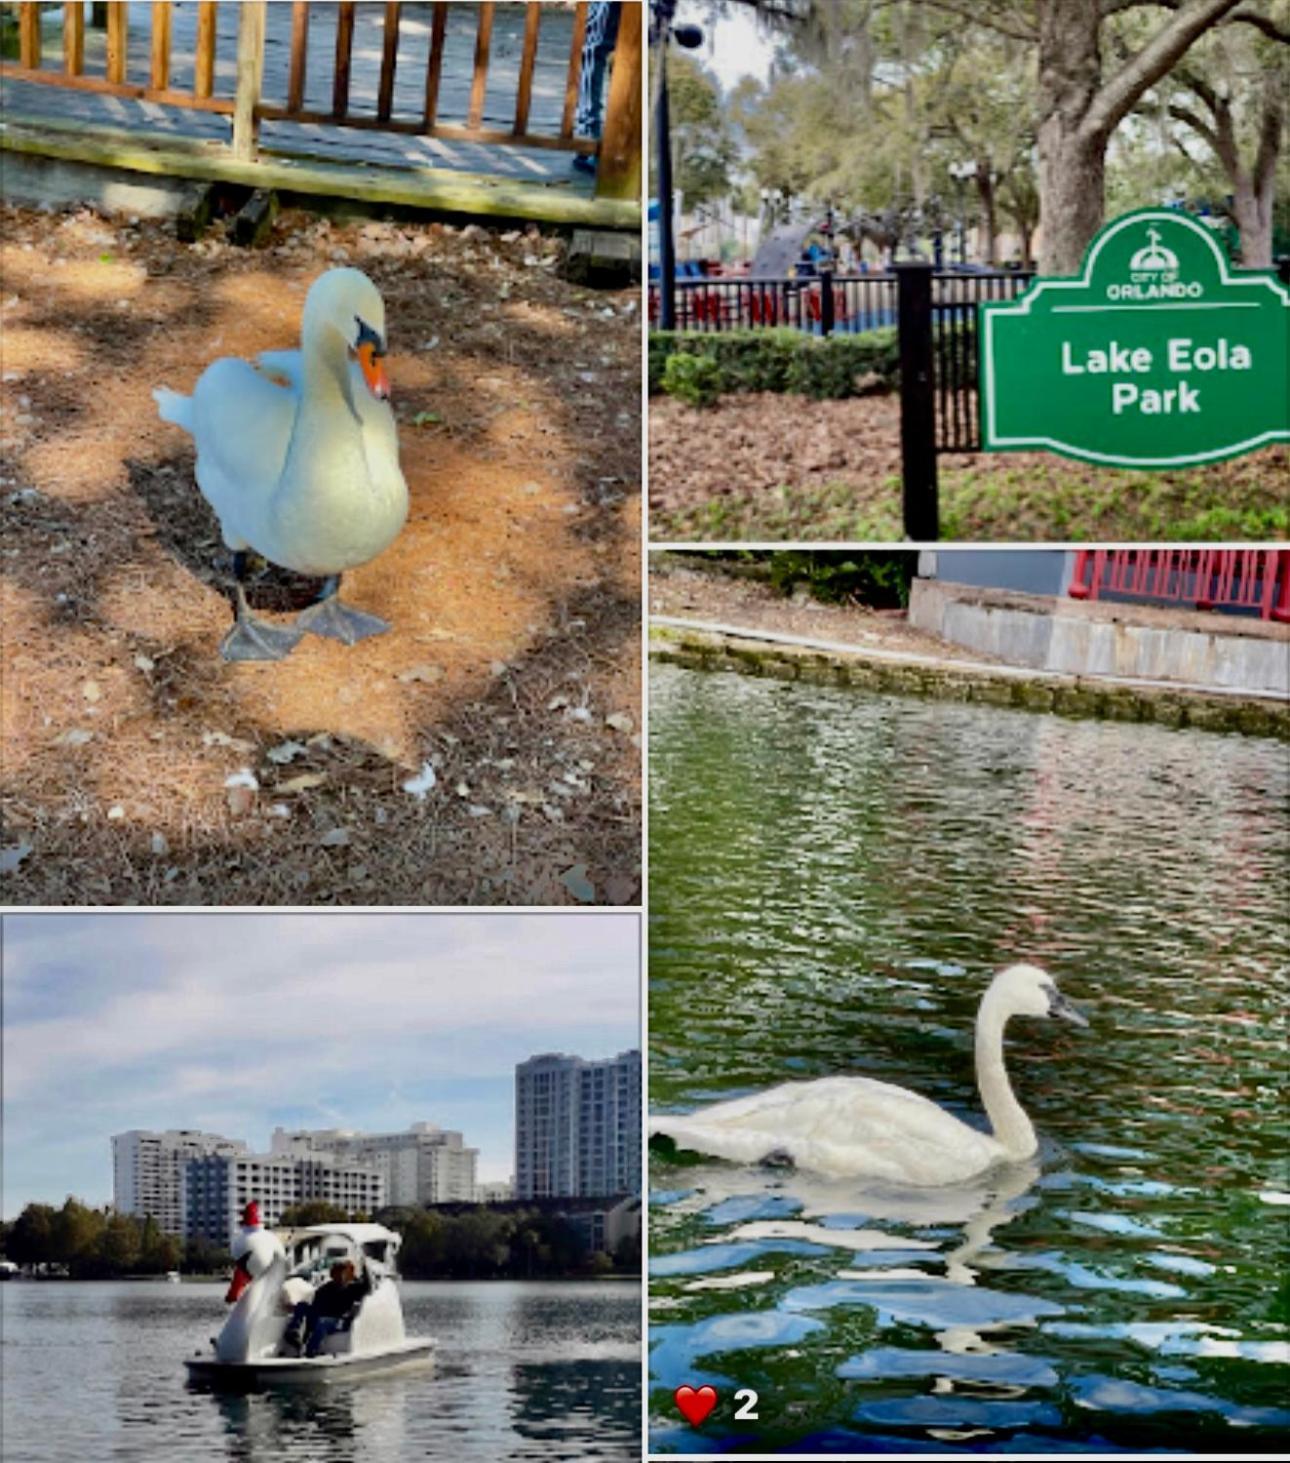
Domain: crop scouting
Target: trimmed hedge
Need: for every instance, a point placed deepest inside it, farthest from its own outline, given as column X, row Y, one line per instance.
column 777, row 360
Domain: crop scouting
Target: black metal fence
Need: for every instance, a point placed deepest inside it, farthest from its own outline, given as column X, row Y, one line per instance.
column 936, row 313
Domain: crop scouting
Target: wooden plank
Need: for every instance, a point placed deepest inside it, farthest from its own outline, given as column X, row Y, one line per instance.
column 483, row 43
column 524, row 95
column 575, row 68
column 618, row 172
column 389, row 59
column 160, row 77
column 250, row 70
column 204, row 63
column 450, row 131
column 299, row 55
column 73, row 39
column 344, row 51
column 432, row 188
column 29, row 35
column 434, row 66
column 118, row 38
column 103, row 87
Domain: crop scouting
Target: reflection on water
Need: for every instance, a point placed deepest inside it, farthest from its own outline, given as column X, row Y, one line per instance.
column 834, row 877
column 524, row 1371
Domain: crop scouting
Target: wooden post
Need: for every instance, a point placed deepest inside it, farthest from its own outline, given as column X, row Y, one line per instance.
column 483, row 43
column 344, row 52
column 618, row 173
column 575, row 68
column 160, row 77
column 250, row 69
column 524, row 95
column 118, row 38
column 434, row 65
column 299, row 55
column 204, row 66
column 74, row 38
column 29, row 35
column 389, row 59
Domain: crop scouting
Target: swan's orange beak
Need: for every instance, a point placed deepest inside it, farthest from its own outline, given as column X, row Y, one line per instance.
column 373, row 368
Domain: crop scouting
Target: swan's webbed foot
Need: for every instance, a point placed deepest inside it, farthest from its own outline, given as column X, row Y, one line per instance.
column 252, row 639
column 339, row 621
column 777, row 1158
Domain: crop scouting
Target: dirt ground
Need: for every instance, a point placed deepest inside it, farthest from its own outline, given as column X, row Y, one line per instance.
column 138, row 767
column 764, row 467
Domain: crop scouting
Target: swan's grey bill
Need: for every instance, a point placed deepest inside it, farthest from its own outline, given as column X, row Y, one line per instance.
column 1058, row 1005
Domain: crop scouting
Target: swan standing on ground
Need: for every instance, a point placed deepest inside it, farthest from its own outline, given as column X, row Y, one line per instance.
column 306, row 474
column 855, row 1126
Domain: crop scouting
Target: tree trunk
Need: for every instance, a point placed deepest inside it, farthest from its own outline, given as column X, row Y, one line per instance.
column 1253, row 214
column 1078, row 111
column 1072, row 167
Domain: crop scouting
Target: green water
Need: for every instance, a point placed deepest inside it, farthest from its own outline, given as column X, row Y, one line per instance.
column 834, row 878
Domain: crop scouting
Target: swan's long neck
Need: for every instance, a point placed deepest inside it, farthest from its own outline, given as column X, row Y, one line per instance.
column 1012, row 1128
column 325, row 367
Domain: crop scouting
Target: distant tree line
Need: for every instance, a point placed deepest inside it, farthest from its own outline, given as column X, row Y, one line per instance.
column 485, row 1242
column 473, row 1242
column 97, row 1244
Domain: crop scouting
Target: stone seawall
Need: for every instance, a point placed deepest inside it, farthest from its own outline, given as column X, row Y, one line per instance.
column 754, row 654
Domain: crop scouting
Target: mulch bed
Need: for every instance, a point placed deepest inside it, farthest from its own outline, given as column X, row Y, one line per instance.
column 766, row 467
column 513, row 667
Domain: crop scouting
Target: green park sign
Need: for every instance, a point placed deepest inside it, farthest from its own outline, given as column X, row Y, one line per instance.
column 1157, row 355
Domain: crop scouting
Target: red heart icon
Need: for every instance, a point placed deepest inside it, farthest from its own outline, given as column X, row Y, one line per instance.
column 695, row 1406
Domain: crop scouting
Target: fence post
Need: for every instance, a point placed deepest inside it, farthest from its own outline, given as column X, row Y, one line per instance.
column 250, row 68
column 920, row 508
column 826, row 302
column 618, row 170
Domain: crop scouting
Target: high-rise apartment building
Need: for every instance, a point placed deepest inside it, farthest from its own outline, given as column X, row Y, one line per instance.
column 424, row 1164
column 577, row 1126
column 217, row 1188
column 148, row 1170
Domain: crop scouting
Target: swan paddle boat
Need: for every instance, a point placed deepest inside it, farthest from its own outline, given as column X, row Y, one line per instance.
column 277, row 1270
column 859, row 1127
column 299, row 457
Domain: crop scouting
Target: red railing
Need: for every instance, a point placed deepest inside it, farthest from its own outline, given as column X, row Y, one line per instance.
column 1210, row 579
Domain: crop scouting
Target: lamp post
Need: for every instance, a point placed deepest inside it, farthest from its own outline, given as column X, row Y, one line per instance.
column 961, row 172
column 689, row 36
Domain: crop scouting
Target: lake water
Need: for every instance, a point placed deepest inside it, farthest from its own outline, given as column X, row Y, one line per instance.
column 524, row 1371
column 834, row 878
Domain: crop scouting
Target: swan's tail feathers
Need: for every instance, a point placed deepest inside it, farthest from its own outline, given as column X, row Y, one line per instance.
column 174, row 407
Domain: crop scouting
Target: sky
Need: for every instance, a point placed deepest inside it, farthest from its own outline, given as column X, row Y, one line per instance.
column 235, row 1023
column 733, row 47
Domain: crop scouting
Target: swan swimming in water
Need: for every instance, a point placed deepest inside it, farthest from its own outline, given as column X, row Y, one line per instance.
column 855, row 1126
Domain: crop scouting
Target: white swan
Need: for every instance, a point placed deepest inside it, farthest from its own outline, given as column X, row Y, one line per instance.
column 855, row 1126
column 304, row 473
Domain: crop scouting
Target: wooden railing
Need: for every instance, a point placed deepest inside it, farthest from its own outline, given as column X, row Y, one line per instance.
column 619, row 149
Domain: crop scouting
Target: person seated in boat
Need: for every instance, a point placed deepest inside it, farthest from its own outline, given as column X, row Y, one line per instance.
column 330, row 1308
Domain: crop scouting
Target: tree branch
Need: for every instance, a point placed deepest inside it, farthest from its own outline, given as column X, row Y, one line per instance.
column 1010, row 25
column 1244, row 15
column 1118, row 95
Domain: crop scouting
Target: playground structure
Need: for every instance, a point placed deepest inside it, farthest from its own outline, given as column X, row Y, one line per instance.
column 462, row 108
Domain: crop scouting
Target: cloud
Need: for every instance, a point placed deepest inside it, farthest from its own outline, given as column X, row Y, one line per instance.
column 232, row 1021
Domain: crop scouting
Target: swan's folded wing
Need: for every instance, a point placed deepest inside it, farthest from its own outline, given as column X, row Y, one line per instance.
column 836, row 1125
column 242, row 424
column 287, row 366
